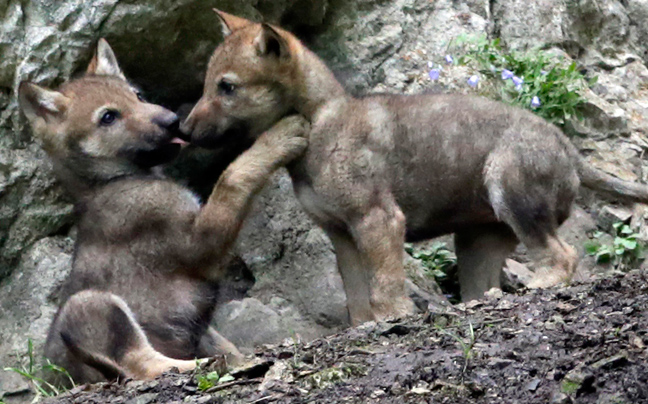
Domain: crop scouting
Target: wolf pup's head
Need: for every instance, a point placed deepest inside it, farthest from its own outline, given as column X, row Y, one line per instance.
column 248, row 86
column 99, row 127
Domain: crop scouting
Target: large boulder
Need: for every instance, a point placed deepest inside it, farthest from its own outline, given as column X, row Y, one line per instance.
column 298, row 290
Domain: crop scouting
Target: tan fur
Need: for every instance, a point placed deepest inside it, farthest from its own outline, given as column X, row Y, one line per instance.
column 149, row 259
column 383, row 167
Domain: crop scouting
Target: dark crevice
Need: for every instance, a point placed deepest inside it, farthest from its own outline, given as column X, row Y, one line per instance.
column 495, row 29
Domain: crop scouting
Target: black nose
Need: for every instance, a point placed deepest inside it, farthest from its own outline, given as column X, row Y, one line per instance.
column 168, row 121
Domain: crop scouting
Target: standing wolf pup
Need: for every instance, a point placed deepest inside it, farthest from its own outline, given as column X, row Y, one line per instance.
column 148, row 258
column 492, row 174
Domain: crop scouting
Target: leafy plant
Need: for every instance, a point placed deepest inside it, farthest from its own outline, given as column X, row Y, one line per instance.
column 31, row 371
column 207, row 380
column 440, row 263
column 625, row 252
column 437, row 260
column 549, row 86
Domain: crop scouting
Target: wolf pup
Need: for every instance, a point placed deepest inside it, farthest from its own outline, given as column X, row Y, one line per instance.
column 148, row 258
column 383, row 168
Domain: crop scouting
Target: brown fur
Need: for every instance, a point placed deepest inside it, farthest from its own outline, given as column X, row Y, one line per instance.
column 382, row 167
column 148, row 258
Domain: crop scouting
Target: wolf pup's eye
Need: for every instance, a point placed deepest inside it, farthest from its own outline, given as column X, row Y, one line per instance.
column 109, row 117
column 225, row 87
column 140, row 96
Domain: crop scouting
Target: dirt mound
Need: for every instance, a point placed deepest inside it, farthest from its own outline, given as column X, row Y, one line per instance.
column 580, row 344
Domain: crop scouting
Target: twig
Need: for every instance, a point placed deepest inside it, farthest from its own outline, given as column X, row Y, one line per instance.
column 258, row 400
column 233, row 383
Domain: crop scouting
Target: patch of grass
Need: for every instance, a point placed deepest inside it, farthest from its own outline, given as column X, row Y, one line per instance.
column 31, row 371
column 625, row 252
column 518, row 77
column 466, row 346
column 569, row 387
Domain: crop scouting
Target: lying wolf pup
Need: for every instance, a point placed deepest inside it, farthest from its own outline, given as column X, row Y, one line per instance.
column 384, row 168
column 148, row 258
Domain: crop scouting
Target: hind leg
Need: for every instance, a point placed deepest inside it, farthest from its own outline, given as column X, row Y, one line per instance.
column 95, row 334
column 481, row 252
column 532, row 183
column 555, row 262
column 534, row 220
column 534, row 215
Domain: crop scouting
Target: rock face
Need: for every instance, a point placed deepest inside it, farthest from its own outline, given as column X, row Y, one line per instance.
column 28, row 303
column 163, row 46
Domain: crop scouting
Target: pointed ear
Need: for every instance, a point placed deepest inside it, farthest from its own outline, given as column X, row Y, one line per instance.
column 38, row 103
column 104, row 62
column 271, row 42
column 231, row 23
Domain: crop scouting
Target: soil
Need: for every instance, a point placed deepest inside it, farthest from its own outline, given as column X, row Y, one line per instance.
column 580, row 344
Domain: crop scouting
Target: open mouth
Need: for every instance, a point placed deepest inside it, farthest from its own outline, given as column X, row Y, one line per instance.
column 157, row 151
column 179, row 141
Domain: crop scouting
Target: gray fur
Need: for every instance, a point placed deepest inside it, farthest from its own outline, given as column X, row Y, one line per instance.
column 149, row 258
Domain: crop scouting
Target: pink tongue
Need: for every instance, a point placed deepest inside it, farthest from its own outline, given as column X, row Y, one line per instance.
column 179, row 141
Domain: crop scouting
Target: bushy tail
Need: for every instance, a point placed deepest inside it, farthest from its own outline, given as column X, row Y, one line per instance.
column 106, row 366
column 600, row 181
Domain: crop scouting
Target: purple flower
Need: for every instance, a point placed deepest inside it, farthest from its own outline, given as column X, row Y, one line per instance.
column 518, row 82
column 449, row 60
column 434, row 74
column 506, row 74
column 543, row 72
column 473, row 81
column 535, row 102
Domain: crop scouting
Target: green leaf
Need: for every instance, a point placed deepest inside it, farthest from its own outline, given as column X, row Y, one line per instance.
column 626, row 229
column 226, row 378
column 592, row 247
column 629, row 244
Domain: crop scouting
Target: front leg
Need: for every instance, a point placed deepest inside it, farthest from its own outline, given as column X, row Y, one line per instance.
column 379, row 234
column 213, row 344
column 217, row 226
column 355, row 277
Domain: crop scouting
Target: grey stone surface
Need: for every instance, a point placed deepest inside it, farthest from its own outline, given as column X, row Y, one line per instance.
column 28, row 302
column 297, row 289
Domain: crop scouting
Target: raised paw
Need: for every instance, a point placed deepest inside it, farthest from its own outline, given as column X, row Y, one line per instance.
column 287, row 139
column 291, row 126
